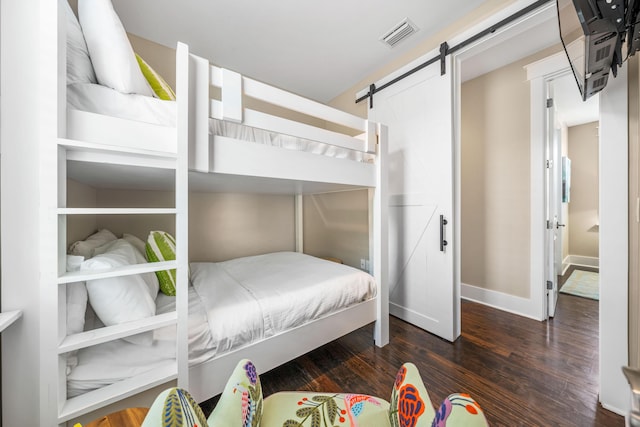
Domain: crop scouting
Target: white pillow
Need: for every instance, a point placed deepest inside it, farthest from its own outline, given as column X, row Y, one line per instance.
column 76, row 298
column 121, row 299
column 111, row 53
column 137, row 242
column 86, row 247
column 149, row 278
column 79, row 67
column 99, row 99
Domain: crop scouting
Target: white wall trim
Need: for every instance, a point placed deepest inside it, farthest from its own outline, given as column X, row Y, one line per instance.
column 542, row 67
column 614, row 391
column 614, row 245
column 535, row 307
column 581, row 261
column 500, row 300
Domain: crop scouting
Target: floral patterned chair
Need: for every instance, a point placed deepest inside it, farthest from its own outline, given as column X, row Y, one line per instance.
column 242, row 405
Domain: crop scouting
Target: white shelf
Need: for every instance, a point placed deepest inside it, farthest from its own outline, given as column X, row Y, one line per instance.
column 117, row 211
column 109, row 333
column 129, row 270
column 7, row 319
column 104, row 396
column 74, row 146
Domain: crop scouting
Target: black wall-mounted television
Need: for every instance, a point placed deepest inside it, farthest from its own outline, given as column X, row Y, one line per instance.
column 598, row 36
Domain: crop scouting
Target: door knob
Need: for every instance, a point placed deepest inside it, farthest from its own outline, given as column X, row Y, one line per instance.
column 558, row 225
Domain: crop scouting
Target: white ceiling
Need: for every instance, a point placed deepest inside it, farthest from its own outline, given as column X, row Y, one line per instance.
column 317, row 49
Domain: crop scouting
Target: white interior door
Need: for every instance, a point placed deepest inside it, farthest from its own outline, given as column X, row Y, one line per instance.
column 418, row 112
column 552, row 202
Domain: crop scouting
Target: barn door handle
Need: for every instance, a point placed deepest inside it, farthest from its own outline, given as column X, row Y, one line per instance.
column 443, row 242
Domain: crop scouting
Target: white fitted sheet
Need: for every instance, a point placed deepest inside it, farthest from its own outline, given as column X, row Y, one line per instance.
column 99, row 99
column 231, row 304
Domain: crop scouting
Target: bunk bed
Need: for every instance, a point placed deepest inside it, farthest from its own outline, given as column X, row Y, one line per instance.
column 198, row 143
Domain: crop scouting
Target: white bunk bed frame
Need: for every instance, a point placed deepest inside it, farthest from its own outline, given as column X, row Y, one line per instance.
column 219, row 162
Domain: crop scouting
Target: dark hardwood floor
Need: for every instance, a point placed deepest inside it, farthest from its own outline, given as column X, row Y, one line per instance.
column 521, row 371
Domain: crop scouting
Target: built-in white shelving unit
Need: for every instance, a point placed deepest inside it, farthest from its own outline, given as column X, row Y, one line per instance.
column 82, row 152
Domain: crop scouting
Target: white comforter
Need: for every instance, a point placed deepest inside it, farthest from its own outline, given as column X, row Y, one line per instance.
column 231, row 304
column 251, row 298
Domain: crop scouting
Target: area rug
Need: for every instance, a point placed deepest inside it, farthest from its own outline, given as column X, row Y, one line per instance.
column 583, row 284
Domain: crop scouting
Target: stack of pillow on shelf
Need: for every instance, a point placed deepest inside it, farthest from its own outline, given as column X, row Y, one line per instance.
column 102, row 66
column 120, row 299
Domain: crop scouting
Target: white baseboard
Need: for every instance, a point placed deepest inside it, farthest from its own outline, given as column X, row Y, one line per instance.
column 501, row 301
column 580, row 261
column 613, row 409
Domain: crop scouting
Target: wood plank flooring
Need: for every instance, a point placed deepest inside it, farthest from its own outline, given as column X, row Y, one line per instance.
column 521, row 371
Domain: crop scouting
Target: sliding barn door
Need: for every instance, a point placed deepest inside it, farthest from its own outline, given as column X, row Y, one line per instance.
column 418, row 112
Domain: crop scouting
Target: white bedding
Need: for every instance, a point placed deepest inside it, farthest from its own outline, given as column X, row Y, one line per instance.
column 231, row 304
column 113, row 361
column 99, row 99
column 257, row 297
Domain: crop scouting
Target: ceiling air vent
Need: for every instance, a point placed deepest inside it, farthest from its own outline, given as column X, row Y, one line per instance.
column 399, row 32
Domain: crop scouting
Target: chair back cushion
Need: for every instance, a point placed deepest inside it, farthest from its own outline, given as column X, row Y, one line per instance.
column 175, row 407
column 459, row 409
column 307, row 408
column 240, row 404
column 410, row 402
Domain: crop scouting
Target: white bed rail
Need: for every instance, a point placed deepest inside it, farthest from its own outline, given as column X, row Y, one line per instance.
column 235, row 87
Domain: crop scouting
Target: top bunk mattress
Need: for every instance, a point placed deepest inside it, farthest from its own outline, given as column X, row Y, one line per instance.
column 98, row 99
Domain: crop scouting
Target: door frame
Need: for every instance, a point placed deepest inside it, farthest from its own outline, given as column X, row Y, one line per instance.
column 533, row 307
column 614, row 390
column 613, row 211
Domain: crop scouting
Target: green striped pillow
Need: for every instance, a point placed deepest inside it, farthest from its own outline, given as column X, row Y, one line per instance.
column 160, row 87
column 161, row 246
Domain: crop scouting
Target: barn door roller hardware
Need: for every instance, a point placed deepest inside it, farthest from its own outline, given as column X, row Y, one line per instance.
column 446, row 50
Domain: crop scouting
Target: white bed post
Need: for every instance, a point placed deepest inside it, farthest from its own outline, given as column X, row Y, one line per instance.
column 299, row 218
column 378, row 238
column 198, row 73
column 184, row 123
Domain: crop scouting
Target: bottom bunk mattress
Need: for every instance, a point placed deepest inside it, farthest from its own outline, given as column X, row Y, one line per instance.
column 231, row 304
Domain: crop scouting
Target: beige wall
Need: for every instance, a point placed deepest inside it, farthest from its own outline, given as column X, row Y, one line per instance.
column 221, row 226
column 583, row 204
column 80, row 196
column 336, row 225
column 495, row 153
column 224, row 226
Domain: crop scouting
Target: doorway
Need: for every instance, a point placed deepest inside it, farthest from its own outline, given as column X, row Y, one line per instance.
column 613, row 255
column 571, row 191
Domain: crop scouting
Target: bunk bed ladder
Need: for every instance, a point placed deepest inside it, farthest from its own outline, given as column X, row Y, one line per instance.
column 69, row 409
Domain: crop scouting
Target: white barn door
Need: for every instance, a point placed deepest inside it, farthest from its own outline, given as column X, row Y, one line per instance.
column 418, row 112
